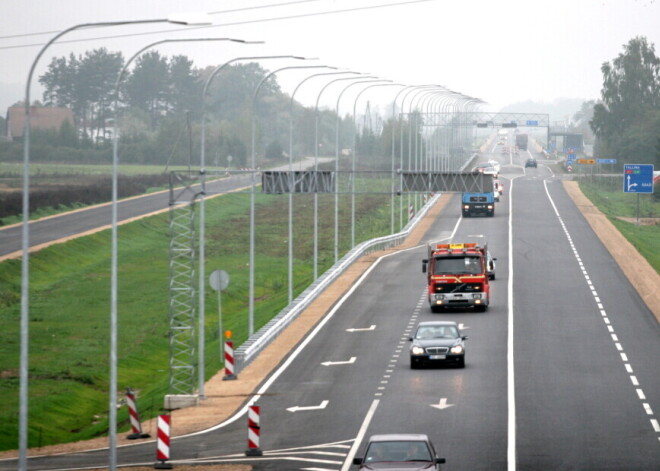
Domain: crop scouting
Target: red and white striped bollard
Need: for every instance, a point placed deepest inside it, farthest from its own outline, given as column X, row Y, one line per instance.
column 163, row 443
column 136, row 425
column 229, row 361
column 254, row 431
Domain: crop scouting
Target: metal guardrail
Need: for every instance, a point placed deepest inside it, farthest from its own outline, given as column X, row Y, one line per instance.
column 264, row 336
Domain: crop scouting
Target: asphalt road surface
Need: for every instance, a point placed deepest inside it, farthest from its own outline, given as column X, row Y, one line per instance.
column 561, row 372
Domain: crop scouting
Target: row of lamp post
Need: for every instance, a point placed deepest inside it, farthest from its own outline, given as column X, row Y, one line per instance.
column 361, row 79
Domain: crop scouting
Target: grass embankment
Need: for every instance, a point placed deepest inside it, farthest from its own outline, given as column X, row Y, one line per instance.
column 69, row 307
column 616, row 204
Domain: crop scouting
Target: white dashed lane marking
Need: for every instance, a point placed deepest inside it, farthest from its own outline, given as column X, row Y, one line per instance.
column 603, row 312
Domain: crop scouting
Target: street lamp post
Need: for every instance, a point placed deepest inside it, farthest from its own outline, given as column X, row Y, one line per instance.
column 23, row 386
column 355, row 151
column 413, row 91
column 316, row 152
column 315, row 262
column 202, row 221
column 394, row 120
column 360, row 82
column 115, row 166
column 252, row 193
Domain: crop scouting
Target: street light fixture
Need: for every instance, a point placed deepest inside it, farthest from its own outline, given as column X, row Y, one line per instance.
column 23, row 386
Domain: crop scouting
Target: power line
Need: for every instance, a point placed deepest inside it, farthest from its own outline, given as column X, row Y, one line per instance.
column 224, row 25
column 219, row 12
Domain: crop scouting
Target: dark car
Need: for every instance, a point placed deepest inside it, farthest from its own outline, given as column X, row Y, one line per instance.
column 400, row 451
column 437, row 342
column 531, row 162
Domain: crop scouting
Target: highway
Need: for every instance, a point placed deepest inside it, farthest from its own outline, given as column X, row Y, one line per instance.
column 561, row 372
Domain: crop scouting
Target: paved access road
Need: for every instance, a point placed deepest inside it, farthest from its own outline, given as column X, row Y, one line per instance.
column 561, row 372
column 72, row 224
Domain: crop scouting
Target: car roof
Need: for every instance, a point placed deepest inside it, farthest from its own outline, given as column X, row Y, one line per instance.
column 438, row 323
column 395, row 437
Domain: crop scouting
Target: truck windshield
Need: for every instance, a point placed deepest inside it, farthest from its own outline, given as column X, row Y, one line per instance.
column 462, row 265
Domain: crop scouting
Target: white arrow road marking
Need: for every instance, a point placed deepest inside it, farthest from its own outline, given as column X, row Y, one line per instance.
column 462, row 327
column 298, row 408
column 365, row 329
column 442, row 404
column 332, row 363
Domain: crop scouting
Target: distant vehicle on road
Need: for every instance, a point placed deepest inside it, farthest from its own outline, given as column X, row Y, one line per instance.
column 402, row 451
column 437, row 342
column 521, row 141
column 496, row 165
column 498, row 189
column 531, row 162
column 486, row 168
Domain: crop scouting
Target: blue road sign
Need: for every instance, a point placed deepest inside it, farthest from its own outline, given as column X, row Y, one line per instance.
column 606, row 161
column 532, row 122
column 637, row 178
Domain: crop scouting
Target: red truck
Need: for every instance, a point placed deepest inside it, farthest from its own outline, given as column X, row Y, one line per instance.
column 457, row 276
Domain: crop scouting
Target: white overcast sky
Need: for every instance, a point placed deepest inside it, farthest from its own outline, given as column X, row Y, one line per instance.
column 503, row 52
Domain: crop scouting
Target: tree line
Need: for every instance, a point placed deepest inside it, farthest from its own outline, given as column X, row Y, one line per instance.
column 626, row 119
column 158, row 104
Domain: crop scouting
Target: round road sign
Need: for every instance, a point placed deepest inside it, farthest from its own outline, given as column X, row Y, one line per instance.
column 219, row 280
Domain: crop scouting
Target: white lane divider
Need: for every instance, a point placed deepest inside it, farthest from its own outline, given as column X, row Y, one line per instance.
column 606, row 320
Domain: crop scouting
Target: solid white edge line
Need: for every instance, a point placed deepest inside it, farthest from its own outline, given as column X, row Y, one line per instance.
column 361, row 433
column 511, row 392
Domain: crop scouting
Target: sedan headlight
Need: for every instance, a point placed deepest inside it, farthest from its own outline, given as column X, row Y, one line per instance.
column 457, row 349
column 417, row 351
column 466, row 206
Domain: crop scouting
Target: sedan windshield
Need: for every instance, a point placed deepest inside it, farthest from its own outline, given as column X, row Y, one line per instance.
column 437, row 332
column 398, row 451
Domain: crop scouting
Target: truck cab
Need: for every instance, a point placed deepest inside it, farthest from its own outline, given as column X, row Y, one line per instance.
column 478, row 204
column 457, row 276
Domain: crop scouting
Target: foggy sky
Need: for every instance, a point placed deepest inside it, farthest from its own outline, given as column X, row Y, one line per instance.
column 503, row 52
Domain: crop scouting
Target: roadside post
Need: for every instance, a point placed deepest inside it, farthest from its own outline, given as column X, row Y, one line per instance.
column 230, row 371
column 134, row 413
column 163, row 443
column 254, row 432
column 219, row 280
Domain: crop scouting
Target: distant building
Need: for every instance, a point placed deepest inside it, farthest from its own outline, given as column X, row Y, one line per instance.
column 41, row 117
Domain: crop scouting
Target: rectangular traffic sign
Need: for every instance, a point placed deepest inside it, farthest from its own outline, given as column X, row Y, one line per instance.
column 586, row 161
column 637, row 178
column 531, row 122
column 606, row 161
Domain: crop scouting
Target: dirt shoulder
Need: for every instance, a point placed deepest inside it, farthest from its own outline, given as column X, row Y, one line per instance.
column 640, row 273
column 224, row 398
